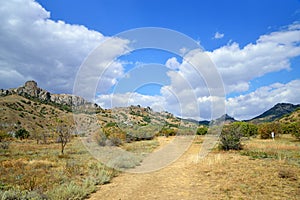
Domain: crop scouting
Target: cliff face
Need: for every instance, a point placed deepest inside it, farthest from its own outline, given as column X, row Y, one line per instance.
column 31, row 89
column 67, row 99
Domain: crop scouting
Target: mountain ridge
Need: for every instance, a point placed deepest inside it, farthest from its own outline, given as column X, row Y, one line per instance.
column 31, row 90
column 275, row 113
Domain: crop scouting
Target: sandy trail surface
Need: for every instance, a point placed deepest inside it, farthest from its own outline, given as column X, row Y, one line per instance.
column 176, row 181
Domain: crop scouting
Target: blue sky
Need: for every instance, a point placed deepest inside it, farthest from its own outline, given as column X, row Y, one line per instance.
column 242, row 21
column 253, row 44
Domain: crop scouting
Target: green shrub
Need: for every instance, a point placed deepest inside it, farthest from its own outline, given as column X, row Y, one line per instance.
column 292, row 128
column 16, row 194
column 69, row 191
column 98, row 174
column 202, row 130
column 168, row 132
column 246, row 129
column 230, row 138
column 22, row 134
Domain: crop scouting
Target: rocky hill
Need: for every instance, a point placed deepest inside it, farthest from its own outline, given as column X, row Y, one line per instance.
column 39, row 111
column 275, row 113
column 31, row 90
column 226, row 119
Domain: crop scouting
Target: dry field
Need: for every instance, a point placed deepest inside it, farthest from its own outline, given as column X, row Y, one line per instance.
column 265, row 169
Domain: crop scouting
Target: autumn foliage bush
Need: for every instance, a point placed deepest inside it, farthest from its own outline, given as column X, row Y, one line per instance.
column 265, row 130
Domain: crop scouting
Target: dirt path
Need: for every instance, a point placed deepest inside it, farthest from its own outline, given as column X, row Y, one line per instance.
column 175, row 181
column 220, row 175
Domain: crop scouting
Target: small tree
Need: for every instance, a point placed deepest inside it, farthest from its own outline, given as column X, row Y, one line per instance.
column 230, row 138
column 22, row 134
column 64, row 136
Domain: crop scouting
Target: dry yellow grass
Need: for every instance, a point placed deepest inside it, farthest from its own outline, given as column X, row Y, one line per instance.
column 231, row 176
column 221, row 175
column 39, row 167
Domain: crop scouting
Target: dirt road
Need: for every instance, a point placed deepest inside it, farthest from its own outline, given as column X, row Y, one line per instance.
column 218, row 176
column 176, row 181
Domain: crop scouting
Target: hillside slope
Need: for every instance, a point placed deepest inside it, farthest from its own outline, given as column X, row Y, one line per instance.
column 275, row 113
column 39, row 111
column 292, row 117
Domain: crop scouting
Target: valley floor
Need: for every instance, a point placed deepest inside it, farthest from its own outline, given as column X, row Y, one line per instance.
column 221, row 175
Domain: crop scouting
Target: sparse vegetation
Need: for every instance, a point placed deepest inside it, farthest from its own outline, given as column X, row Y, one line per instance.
column 31, row 166
column 31, row 171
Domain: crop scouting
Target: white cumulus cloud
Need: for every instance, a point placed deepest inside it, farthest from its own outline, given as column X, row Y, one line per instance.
column 32, row 46
column 255, row 103
column 271, row 53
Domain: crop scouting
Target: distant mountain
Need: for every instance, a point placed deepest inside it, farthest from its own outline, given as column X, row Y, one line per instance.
column 190, row 120
column 275, row 113
column 226, row 119
column 204, row 122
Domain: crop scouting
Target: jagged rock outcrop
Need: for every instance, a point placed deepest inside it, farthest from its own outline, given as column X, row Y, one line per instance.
column 67, row 99
column 31, row 89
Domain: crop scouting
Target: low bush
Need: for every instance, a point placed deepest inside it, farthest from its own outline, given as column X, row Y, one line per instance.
column 230, row 138
column 68, row 191
column 202, row 130
column 22, row 134
column 125, row 161
column 168, row 132
column 16, row 194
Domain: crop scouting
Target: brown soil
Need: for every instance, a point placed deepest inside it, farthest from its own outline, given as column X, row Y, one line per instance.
column 218, row 176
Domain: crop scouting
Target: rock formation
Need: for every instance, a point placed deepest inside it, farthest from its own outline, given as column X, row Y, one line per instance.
column 31, row 89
